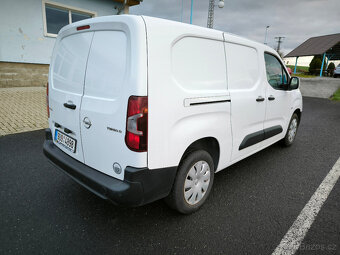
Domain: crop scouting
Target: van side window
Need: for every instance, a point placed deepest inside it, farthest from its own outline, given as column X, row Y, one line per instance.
column 276, row 74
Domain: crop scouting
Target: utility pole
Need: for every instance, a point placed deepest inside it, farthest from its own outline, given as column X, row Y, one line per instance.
column 279, row 41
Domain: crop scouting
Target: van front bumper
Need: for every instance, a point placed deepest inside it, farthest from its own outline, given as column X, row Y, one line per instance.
column 140, row 185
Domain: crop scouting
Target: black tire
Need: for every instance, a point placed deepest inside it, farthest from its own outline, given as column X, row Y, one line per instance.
column 176, row 199
column 287, row 141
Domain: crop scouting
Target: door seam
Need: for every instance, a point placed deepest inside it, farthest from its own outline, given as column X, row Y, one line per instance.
column 81, row 100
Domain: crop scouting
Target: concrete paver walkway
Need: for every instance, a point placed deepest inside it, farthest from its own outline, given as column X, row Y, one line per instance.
column 22, row 109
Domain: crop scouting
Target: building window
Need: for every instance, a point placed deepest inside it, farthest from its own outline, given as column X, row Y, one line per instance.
column 55, row 19
column 57, row 16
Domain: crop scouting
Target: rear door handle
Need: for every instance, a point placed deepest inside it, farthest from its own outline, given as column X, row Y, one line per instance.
column 271, row 98
column 259, row 99
column 70, row 106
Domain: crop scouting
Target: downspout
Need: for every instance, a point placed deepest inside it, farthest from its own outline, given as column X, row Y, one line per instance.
column 124, row 8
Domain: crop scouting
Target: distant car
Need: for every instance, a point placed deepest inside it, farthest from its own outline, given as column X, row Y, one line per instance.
column 337, row 72
column 289, row 70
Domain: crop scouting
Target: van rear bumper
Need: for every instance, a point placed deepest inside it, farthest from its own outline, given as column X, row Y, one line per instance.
column 140, row 185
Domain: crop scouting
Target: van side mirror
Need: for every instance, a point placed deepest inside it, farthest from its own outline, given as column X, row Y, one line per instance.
column 294, row 83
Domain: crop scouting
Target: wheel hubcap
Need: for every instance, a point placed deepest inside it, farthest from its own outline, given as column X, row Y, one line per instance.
column 197, row 182
column 292, row 130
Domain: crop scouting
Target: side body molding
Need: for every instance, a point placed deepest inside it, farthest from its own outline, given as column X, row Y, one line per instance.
column 259, row 136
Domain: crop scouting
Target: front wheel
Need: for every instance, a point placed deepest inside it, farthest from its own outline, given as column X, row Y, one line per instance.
column 193, row 182
column 292, row 130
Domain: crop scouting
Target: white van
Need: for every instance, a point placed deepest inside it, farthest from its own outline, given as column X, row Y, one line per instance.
column 142, row 108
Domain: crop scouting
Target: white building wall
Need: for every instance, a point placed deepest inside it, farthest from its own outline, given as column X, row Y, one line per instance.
column 22, row 32
column 304, row 61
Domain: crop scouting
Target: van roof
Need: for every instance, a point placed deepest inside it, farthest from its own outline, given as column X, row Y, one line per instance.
column 170, row 24
column 208, row 32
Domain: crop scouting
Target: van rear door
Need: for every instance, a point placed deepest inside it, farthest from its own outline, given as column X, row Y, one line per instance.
column 115, row 71
column 66, row 80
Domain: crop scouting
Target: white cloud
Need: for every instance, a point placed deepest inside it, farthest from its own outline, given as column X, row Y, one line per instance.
column 296, row 20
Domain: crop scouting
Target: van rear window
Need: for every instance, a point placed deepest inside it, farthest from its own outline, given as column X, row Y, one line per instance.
column 106, row 68
column 69, row 62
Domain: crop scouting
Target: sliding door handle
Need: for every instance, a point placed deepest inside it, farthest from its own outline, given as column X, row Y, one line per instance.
column 70, row 106
column 260, row 99
column 271, row 98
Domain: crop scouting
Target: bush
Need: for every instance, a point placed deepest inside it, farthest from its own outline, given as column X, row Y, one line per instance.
column 331, row 66
column 330, row 69
column 315, row 65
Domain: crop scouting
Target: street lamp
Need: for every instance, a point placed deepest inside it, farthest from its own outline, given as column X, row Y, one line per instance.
column 210, row 22
column 265, row 36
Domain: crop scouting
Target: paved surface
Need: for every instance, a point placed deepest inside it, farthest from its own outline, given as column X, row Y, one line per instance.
column 252, row 205
column 22, row 109
column 321, row 87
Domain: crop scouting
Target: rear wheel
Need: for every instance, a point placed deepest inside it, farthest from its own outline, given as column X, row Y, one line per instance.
column 292, row 130
column 193, row 182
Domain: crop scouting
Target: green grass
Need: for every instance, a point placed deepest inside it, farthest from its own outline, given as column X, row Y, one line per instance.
column 301, row 75
column 336, row 96
column 299, row 69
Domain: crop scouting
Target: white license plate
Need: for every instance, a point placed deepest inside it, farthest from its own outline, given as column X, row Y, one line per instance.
column 66, row 141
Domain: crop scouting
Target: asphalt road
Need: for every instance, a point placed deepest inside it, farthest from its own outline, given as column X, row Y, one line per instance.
column 252, row 205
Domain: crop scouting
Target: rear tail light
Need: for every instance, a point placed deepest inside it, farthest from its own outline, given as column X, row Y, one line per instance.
column 136, row 137
column 47, row 102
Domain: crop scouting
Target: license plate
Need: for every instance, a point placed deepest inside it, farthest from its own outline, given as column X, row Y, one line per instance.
column 66, row 141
